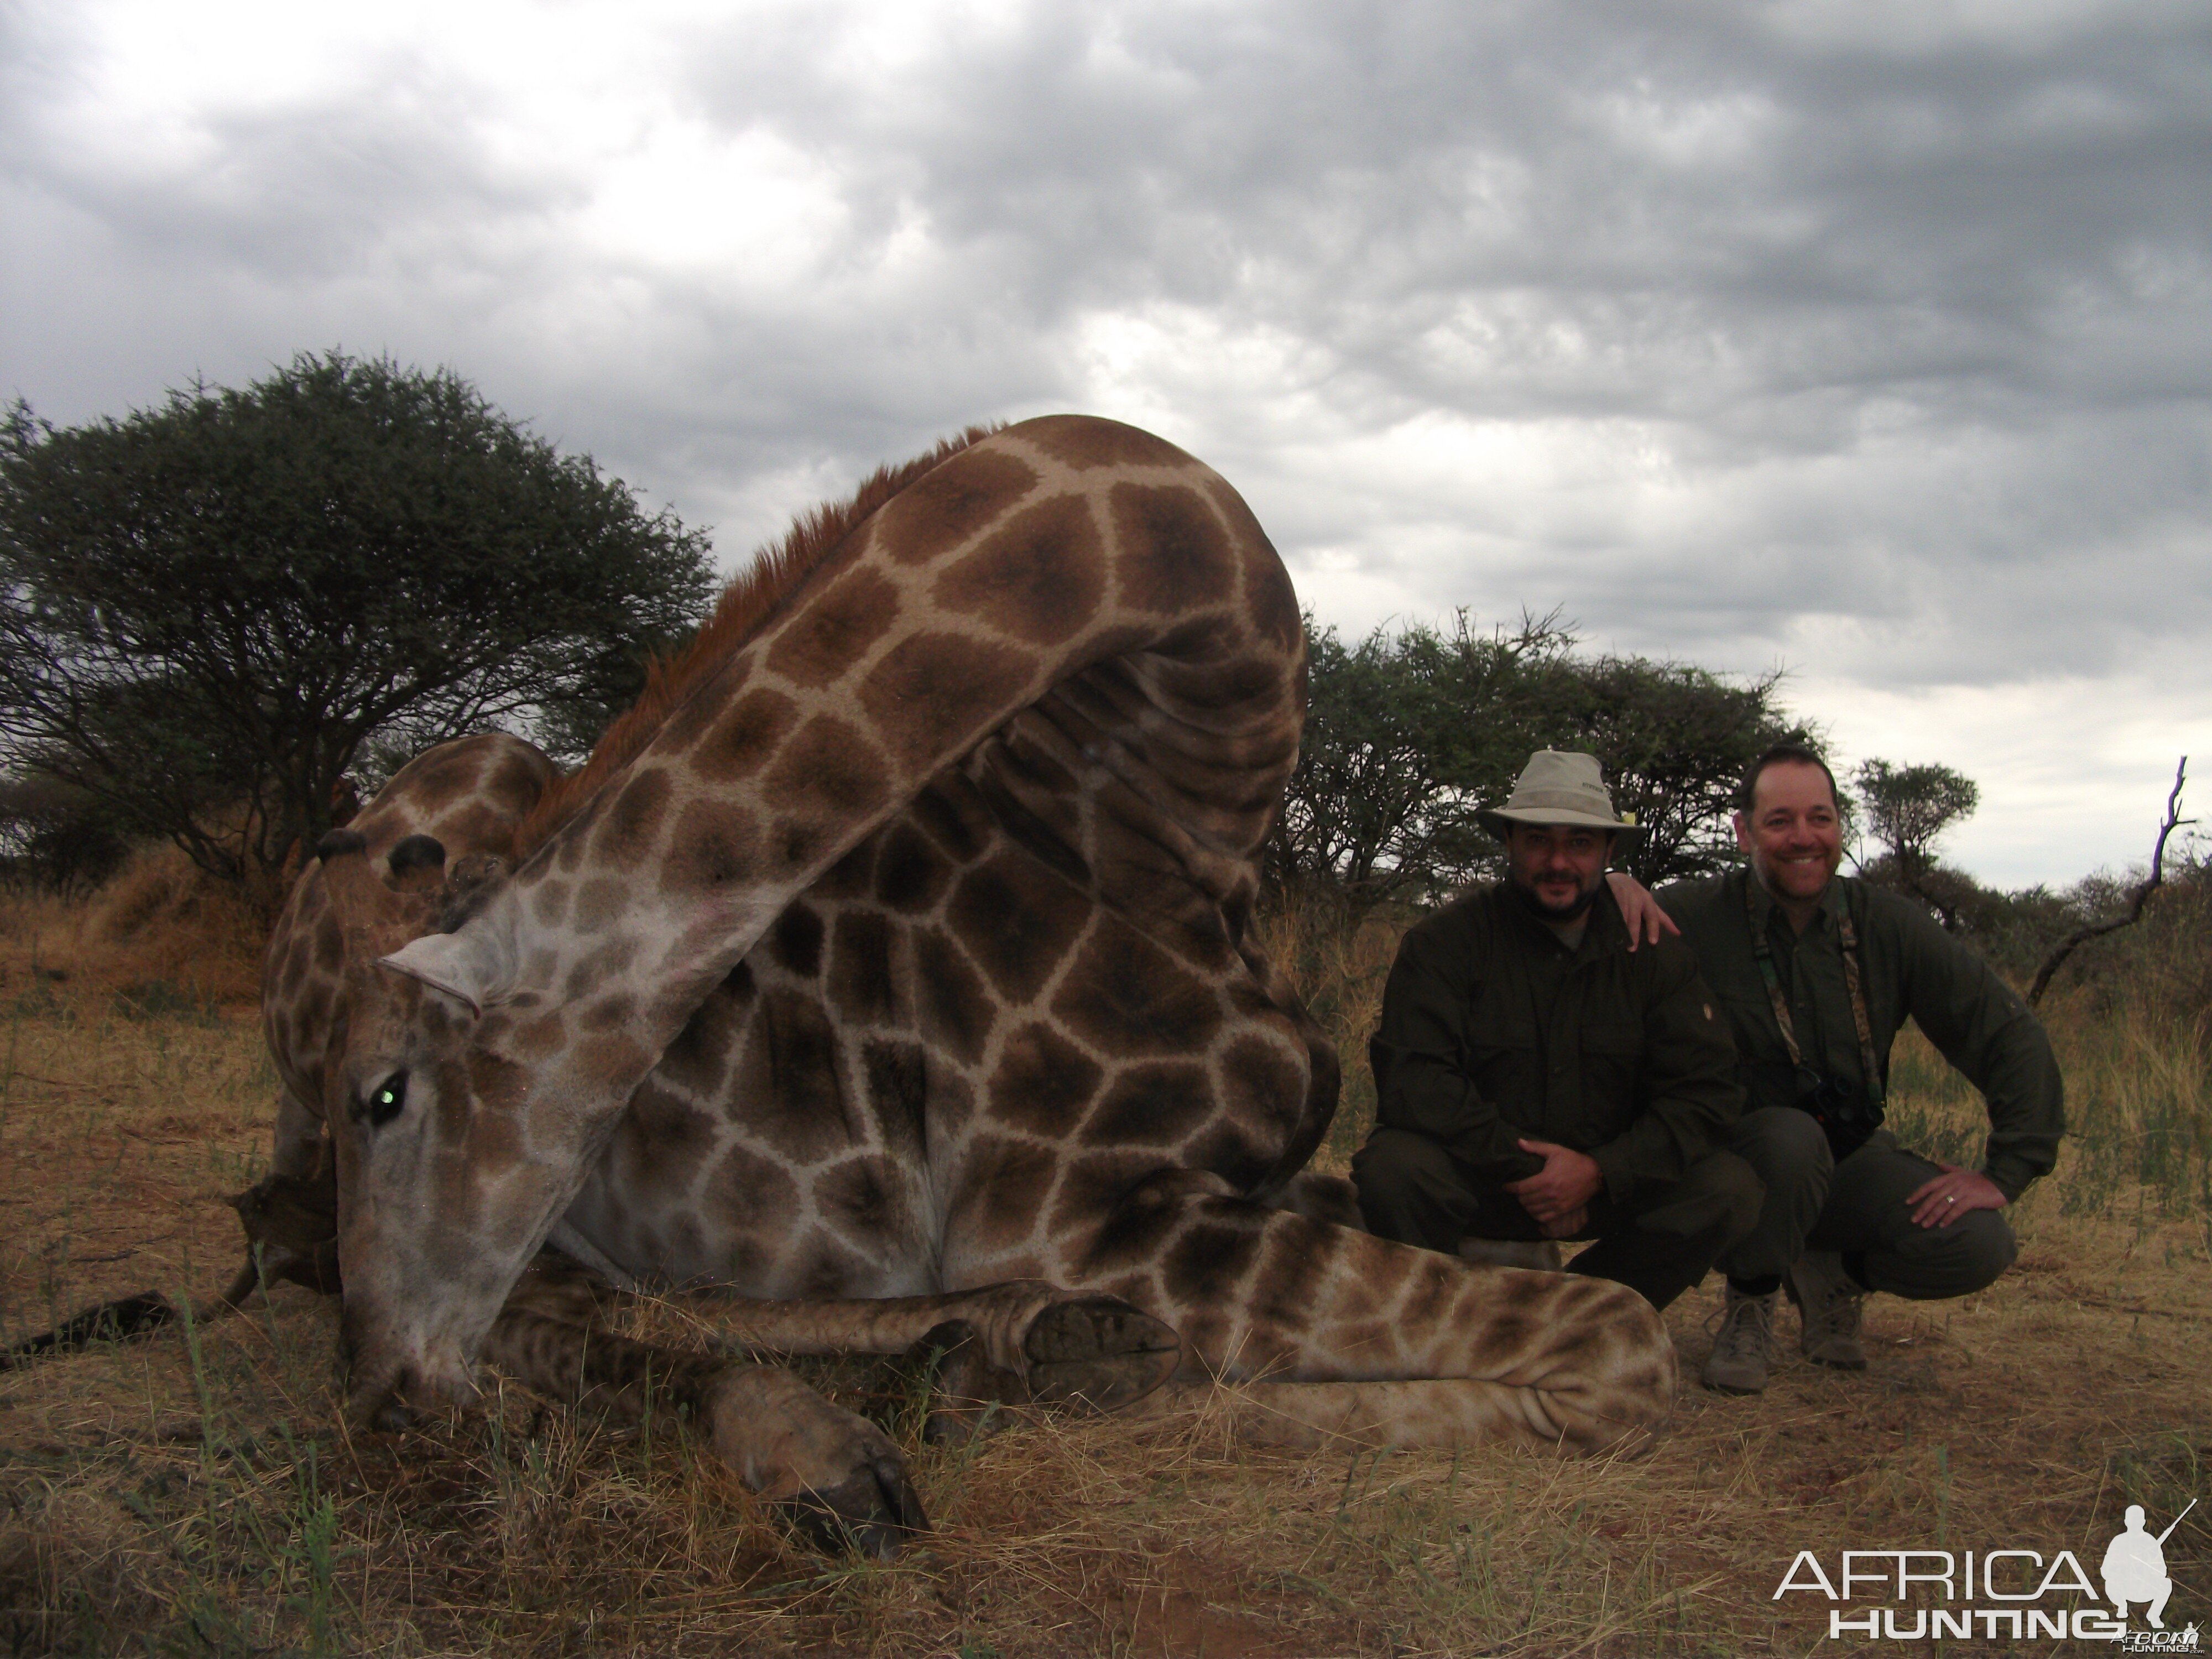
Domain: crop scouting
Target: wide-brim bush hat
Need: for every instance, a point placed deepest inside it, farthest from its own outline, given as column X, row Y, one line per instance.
column 1560, row 786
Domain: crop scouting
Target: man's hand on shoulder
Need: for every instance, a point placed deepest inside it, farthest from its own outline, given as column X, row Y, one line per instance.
column 1950, row 1196
column 1647, row 922
column 1560, row 1192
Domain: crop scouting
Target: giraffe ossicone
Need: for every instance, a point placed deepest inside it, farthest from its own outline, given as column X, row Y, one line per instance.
column 890, row 970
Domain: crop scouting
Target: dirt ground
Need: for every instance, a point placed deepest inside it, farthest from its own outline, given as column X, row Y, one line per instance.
column 195, row 1492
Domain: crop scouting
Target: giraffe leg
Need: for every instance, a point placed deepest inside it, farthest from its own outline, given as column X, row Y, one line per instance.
column 1409, row 1347
column 1036, row 1343
column 834, row 1475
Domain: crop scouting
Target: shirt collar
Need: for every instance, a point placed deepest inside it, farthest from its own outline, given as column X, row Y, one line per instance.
column 1831, row 901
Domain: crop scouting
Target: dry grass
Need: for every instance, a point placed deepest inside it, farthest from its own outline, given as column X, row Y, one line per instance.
column 195, row 1493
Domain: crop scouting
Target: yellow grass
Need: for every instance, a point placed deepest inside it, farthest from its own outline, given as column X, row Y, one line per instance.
column 195, row 1493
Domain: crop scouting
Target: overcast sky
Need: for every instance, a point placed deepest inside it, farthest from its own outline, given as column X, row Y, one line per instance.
column 1868, row 340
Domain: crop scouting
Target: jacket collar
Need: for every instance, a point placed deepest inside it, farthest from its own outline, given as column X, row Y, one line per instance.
column 1607, row 931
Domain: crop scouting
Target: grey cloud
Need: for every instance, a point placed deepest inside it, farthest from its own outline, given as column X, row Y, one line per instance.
column 1886, row 318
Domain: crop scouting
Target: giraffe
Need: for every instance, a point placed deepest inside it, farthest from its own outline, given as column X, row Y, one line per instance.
column 891, row 969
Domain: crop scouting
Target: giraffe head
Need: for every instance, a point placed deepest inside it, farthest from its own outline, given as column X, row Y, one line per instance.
column 422, row 1119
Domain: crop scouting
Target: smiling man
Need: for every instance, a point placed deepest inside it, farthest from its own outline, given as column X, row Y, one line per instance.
column 1536, row 1079
column 1817, row 972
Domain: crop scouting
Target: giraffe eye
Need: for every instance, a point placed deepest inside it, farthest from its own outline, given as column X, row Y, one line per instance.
column 385, row 1101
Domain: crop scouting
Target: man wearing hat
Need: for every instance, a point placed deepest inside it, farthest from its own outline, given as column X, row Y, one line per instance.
column 1535, row 1079
column 1817, row 972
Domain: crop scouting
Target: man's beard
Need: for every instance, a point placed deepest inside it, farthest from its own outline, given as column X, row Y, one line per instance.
column 1544, row 912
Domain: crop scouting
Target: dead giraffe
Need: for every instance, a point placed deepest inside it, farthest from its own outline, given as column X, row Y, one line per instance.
column 900, row 953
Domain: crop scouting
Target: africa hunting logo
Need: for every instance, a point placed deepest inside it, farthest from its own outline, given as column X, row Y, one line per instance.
column 2003, row 1592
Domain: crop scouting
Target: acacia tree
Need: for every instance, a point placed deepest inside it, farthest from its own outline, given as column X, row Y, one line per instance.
column 1907, row 808
column 209, row 607
column 1406, row 734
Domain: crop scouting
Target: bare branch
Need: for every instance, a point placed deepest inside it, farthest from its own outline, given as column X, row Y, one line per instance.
column 2140, row 898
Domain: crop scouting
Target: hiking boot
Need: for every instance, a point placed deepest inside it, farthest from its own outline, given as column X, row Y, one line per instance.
column 1745, row 1347
column 1828, row 1303
column 1542, row 1254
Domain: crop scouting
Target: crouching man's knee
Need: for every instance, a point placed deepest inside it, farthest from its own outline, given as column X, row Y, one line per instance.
column 1932, row 1264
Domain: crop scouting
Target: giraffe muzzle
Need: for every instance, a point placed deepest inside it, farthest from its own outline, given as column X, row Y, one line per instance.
column 391, row 1381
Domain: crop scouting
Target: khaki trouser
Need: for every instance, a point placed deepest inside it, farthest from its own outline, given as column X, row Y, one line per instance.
column 1659, row 1243
column 1857, row 1209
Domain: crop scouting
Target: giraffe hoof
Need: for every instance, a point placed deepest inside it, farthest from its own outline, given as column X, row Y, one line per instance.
column 1098, row 1351
column 872, row 1511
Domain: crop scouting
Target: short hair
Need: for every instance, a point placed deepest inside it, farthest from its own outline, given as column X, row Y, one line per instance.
column 1789, row 752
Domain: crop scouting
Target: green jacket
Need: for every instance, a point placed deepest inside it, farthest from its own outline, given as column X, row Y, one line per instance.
column 1492, row 1030
column 1911, row 966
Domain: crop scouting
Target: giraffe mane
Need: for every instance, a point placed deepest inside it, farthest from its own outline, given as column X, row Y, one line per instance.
column 754, row 595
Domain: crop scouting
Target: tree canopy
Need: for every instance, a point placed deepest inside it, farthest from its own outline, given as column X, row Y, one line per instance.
column 1908, row 808
column 208, row 608
column 1408, row 735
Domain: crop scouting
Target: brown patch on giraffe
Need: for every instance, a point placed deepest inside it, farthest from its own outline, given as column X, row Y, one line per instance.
column 1235, row 684
column 1150, row 1105
column 697, row 1060
column 548, row 903
column 1260, row 1082
column 1128, row 996
column 951, row 811
column 626, row 831
column 1002, row 1187
column 751, row 1191
column 1175, row 557
column 1044, row 1083
column 853, row 877
column 752, row 734
column 1019, row 920
column 897, row 1076
column 1100, row 1190
column 822, row 1268
column 957, row 1011
column 955, row 503
column 837, row 629
column 1431, row 1289
column 935, row 694
column 662, row 1120
column 1229, row 1151
column 1040, row 576
column 796, row 939
column 861, row 1197
column 829, row 770
column 746, row 604
column 861, row 985
column 608, row 1054
column 1293, row 1271
column 716, row 846
column 599, row 902
column 537, row 1038
column 788, row 1077
column 1209, row 1259
column 911, row 874
column 1084, row 442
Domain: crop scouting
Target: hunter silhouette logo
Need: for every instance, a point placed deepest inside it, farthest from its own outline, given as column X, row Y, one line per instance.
column 2134, row 1567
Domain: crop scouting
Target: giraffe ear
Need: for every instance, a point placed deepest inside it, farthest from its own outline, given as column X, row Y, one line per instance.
column 469, row 964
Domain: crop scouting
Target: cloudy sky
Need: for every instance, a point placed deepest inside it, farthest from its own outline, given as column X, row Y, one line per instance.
column 1870, row 340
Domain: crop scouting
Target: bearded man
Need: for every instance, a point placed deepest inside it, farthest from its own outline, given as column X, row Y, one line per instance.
column 1535, row 1079
column 1816, row 973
